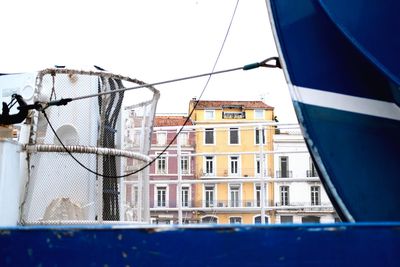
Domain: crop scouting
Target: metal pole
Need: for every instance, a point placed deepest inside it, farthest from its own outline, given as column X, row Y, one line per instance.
column 179, row 195
column 261, row 139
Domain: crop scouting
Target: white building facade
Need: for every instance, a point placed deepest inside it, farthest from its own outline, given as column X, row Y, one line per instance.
column 299, row 196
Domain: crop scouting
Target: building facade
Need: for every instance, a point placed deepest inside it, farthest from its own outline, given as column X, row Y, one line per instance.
column 169, row 193
column 231, row 136
column 299, row 194
column 229, row 164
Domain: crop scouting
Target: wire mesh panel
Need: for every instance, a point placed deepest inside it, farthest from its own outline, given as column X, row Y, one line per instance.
column 76, row 157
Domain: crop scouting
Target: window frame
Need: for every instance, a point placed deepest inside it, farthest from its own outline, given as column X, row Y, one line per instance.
column 189, row 201
column 256, row 141
column 206, row 203
column 287, row 171
column 259, row 216
column 212, row 131
column 183, row 138
column 258, row 191
column 235, row 217
column 284, row 195
column 160, row 133
column 212, row 117
column 238, row 165
column 235, row 203
column 230, row 136
column 188, row 159
column 214, row 167
column 156, row 202
column 259, row 117
column 315, row 195
column 257, row 165
column 163, row 157
column 211, row 216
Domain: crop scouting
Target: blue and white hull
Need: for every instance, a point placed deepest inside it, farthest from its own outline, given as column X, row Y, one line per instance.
column 343, row 73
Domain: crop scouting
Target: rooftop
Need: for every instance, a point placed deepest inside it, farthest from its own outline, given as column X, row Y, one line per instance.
column 160, row 121
column 217, row 104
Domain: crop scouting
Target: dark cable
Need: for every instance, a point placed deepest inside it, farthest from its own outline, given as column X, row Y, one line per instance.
column 263, row 63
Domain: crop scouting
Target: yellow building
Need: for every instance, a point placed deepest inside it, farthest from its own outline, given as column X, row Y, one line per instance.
column 231, row 138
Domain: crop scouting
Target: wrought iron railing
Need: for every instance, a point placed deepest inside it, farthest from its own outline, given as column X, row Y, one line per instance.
column 284, row 174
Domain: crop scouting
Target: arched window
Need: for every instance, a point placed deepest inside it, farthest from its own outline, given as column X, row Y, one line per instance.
column 235, row 220
column 209, row 219
column 257, row 219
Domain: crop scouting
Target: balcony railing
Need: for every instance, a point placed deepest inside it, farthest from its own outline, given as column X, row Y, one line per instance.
column 246, row 204
column 324, row 206
column 311, row 173
column 234, row 115
column 230, row 203
column 284, row 174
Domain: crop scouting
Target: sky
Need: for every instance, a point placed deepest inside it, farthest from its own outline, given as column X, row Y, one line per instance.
column 153, row 41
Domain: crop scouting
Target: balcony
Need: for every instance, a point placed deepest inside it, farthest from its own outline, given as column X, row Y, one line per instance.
column 305, row 206
column 311, row 173
column 284, row 174
column 230, row 204
column 234, row 115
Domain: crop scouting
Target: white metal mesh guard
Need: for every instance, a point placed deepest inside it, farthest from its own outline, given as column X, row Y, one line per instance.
column 58, row 189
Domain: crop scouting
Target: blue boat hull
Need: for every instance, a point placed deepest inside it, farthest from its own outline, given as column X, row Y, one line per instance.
column 281, row 245
column 344, row 82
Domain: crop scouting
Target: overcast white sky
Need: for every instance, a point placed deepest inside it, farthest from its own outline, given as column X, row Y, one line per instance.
column 151, row 40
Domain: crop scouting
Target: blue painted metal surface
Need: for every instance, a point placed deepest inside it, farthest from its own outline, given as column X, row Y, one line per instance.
column 281, row 245
column 330, row 46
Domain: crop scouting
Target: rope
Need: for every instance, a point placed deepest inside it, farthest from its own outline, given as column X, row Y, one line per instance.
column 87, row 150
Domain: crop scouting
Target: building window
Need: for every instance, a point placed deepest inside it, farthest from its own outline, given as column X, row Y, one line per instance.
column 185, row 164
column 183, row 138
column 312, row 172
column 209, row 191
column 259, row 136
column 233, row 136
column 286, row 219
column 161, row 138
column 258, row 195
column 161, row 196
column 234, row 195
column 234, row 165
column 258, row 114
column 258, row 165
column 185, row 196
column 209, row 165
column 315, row 195
column 257, row 219
column 161, row 164
column 310, row 219
column 209, row 219
column 209, row 114
column 235, row 220
column 209, row 136
column 284, row 168
column 284, row 190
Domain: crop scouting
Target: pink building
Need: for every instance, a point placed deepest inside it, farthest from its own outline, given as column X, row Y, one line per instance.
column 164, row 172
